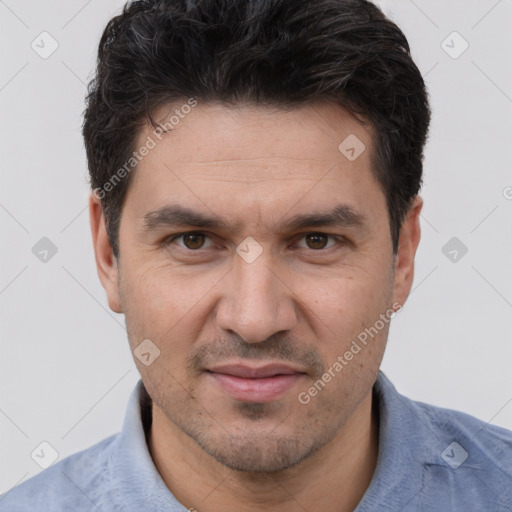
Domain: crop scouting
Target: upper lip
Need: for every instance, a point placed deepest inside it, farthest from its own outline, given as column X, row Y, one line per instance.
column 252, row 372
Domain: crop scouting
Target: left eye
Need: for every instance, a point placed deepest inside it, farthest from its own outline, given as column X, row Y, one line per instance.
column 318, row 241
column 192, row 241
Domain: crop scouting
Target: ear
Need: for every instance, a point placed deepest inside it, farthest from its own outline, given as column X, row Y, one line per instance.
column 106, row 262
column 410, row 233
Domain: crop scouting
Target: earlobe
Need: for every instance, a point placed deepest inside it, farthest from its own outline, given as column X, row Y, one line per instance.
column 410, row 234
column 106, row 262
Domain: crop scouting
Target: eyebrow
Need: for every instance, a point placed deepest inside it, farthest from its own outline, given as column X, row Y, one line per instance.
column 177, row 215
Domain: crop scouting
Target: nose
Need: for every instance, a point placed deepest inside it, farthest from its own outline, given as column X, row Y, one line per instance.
column 257, row 301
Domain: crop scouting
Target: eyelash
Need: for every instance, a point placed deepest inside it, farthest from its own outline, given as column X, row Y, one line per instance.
column 339, row 239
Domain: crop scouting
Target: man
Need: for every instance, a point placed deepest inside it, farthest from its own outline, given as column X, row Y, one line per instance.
column 255, row 168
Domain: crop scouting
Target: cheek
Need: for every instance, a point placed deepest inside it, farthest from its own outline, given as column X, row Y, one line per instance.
column 351, row 297
column 161, row 305
column 341, row 308
column 161, row 309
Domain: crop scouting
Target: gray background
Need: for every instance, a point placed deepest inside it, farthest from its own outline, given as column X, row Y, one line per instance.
column 65, row 367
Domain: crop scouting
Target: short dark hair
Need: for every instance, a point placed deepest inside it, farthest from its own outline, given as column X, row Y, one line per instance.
column 283, row 53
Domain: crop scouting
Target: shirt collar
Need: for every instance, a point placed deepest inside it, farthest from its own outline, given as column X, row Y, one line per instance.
column 402, row 460
column 404, row 451
column 138, row 483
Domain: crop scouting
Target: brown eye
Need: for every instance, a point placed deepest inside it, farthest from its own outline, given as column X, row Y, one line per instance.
column 193, row 240
column 316, row 240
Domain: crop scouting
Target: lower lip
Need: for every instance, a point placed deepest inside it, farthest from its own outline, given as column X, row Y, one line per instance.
column 265, row 389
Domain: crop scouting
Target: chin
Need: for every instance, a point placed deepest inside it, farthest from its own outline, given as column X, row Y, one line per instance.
column 258, row 453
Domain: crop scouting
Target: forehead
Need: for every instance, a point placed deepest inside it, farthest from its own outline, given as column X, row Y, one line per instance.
column 234, row 135
column 252, row 160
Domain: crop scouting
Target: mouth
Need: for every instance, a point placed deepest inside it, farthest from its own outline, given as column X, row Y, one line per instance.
column 260, row 384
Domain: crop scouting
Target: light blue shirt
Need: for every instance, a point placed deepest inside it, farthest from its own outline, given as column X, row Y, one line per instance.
column 430, row 459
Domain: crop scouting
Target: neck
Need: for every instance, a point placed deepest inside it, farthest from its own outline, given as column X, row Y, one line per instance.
column 333, row 479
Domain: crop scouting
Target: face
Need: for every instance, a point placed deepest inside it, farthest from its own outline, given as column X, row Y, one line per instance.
column 253, row 255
